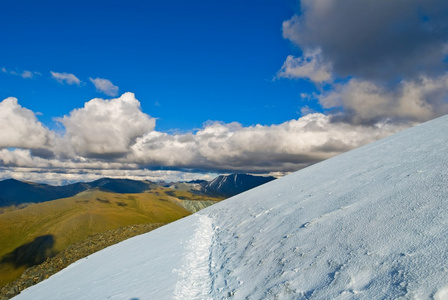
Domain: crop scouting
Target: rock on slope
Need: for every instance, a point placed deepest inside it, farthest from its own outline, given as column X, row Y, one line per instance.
column 368, row 224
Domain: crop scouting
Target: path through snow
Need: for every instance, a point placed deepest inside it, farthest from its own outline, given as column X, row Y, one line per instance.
column 194, row 280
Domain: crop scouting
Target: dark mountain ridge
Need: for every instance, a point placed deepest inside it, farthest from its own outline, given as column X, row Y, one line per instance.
column 231, row 185
column 15, row 192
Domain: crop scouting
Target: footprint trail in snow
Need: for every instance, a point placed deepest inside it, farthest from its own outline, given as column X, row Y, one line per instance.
column 194, row 281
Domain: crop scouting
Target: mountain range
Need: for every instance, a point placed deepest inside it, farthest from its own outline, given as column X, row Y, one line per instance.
column 368, row 224
column 14, row 192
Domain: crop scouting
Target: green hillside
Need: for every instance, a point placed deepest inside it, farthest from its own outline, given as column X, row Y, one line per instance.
column 29, row 235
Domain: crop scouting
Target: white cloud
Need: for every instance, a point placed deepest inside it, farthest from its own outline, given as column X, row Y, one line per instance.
column 22, row 158
column 115, row 138
column 64, row 176
column 105, row 86
column 26, row 74
column 286, row 147
column 413, row 100
column 106, row 127
column 66, row 78
column 20, row 127
column 389, row 56
column 309, row 66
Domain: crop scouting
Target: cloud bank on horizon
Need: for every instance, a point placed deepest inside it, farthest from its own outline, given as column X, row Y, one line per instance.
column 378, row 66
column 116, row 134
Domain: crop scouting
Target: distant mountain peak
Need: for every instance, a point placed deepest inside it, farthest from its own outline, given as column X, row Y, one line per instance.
column 233, row 184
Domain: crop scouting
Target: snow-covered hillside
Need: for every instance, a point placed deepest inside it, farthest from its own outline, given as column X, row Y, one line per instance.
column 369, row 224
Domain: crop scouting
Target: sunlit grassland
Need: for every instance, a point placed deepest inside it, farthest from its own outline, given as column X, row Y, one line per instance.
column 33, row 233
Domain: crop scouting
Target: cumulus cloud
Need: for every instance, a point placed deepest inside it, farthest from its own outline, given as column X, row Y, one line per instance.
column 414, row 100
column 309, row 66
column 20, row 127
column 105, row 86
column 386, row 59
column 231, row 147
column 106, row 127
column 374, row 39
column 66, row 78
column 115, row 138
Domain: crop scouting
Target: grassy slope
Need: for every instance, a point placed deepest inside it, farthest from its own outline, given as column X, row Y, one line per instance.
column 66, row 221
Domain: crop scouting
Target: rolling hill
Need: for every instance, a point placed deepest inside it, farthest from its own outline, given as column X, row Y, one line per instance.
column 14, row 192
column 30, row 235
column 367, row 224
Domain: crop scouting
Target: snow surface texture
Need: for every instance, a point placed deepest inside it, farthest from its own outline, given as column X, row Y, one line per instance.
column 368, row 224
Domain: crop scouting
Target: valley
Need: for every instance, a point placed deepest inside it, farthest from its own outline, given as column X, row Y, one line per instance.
column 34, row 235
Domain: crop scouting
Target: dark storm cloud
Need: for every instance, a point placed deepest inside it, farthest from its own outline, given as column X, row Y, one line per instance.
column 375, row 39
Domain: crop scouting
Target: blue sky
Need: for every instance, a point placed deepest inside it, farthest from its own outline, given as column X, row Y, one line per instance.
column 178, row 90
column 186, row 61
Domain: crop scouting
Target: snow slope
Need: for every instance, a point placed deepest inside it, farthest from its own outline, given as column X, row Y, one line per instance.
column 368, row 224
